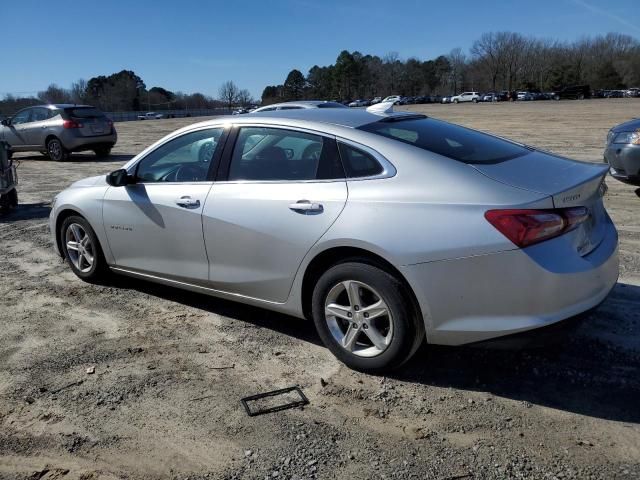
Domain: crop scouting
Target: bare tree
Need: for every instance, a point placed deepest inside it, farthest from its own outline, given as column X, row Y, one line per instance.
column 457, row 61
column 228, row 93
column 244, row 97
column 79, row 91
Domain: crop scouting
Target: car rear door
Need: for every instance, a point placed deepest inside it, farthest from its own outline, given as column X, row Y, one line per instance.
column 36, row 129
column 154, row 226
column 278, row 191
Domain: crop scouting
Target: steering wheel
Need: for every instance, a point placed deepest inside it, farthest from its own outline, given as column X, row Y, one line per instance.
column 189, row 173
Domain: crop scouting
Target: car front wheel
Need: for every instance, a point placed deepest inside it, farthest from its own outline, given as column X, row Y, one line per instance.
column 82, row 250
column 365, row 318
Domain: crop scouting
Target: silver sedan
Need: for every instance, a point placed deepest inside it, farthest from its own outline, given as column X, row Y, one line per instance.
column 387, row 229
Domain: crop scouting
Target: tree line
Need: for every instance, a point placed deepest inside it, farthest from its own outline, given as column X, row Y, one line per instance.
column 496, row 61
column 126, row 91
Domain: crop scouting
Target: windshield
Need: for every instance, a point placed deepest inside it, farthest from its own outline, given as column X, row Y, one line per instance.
column 453, row 141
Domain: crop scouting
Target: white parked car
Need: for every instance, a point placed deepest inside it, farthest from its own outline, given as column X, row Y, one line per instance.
column 396, row 99
column 466, row 97
column 150, row 116
column 359, row 103
column 376, row 100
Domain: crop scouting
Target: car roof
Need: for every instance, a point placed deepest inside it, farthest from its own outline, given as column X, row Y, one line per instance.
column 335, row 116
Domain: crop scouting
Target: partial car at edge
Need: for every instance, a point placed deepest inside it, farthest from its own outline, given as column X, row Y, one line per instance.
column 622, row 152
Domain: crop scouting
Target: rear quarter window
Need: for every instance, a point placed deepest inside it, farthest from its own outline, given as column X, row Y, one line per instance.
column 358, row 163
column 459, row 143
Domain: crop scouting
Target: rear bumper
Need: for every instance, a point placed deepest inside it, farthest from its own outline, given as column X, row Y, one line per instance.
column 624, row 162
column 73, row 142
column 477, row 298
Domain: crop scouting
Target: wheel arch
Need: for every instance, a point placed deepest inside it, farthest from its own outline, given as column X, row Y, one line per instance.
column 341, row 254
column 60, row 218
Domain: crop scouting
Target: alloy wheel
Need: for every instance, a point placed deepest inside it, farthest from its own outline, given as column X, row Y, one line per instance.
column 79, row 247
column 54, row 148
column 358, row 318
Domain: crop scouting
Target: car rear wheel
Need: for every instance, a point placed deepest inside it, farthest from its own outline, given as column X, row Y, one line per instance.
column 102, row 152
column 56, row 151
column 82, row 250
column 365, row 318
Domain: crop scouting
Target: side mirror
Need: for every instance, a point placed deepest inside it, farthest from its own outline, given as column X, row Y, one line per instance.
column 6, row 122
column 119, row 178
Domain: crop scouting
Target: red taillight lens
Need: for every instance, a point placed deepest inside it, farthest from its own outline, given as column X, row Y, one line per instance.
column 71, row 124
column 527, row 227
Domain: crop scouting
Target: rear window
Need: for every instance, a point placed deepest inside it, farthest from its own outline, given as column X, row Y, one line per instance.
column 453, row 141
column 331, row 105
column 85, row 112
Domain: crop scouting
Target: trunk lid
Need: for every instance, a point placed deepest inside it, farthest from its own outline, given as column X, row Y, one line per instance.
column 94, row 122
column 568, row 182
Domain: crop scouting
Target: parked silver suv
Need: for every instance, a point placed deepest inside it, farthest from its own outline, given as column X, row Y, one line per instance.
column 58, row 130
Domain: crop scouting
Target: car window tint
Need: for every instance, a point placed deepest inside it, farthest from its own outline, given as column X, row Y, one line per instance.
column 21, row 117
column 39, row 114
column 453, row 141
column 184, row 159
column 331, row 105
column 358, row 163
column 279, row 154
column 86, row 112
column 289, row 108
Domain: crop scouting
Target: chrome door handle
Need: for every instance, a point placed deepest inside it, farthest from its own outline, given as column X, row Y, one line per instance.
column 187, row 202
column 306, row 207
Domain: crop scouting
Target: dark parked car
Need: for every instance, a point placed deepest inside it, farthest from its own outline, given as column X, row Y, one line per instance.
column 573, row 92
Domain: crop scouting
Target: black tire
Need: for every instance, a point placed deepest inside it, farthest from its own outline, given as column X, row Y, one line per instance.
column 475, row 100
column 99, row 271
column 455, row 101
column 408, row 329
column 56, row 151
column 102, row 152
column 8, row 201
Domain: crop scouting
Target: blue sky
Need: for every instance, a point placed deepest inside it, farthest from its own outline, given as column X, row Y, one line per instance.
column 194, row 45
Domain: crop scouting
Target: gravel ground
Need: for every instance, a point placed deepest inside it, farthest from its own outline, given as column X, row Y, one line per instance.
column 171, row 366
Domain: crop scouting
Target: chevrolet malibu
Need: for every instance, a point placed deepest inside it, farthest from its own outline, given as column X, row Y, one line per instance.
column 387, row 229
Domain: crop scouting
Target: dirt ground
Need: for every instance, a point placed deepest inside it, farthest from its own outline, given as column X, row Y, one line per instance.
column 171, row 366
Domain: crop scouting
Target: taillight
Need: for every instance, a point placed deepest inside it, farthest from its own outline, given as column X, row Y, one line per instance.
column 71, row 124
column 527, row 227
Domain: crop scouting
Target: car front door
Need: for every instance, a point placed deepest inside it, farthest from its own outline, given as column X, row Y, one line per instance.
column 15, row 134
column 278, row 191
column 154, row 226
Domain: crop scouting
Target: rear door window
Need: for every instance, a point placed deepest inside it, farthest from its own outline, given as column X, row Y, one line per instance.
column 39, row 114
column 459, row 143
column 274, row 154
